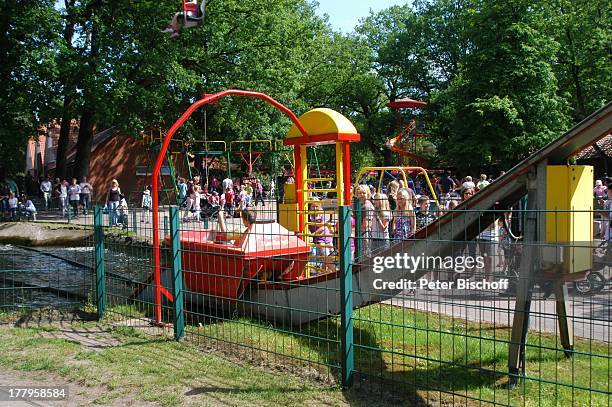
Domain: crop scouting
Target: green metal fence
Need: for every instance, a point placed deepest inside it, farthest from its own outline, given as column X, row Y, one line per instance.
column 267, row 298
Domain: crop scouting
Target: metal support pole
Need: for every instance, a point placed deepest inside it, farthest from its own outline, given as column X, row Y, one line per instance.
column 522, row 308
column 99, row 262
column 177, row 274
column 566, row 330
column 134, row 227
column 165, row 226
column 346, row 297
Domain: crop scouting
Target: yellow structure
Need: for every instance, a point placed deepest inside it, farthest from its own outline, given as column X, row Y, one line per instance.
column 323, row 126
column 569, row 216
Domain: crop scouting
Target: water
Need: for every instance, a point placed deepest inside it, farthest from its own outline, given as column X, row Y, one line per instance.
column 64, row 275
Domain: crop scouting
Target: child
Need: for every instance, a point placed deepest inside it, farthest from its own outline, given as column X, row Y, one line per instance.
column 196, row 203
column 424, row 217
column 12, row 205
column 321, row 235
column 380, row 223
column 191, row 16
column 123, row 212
column 404, row 219
column 147, row 204
column 30, row 209
column 74, row 196
column 229, row 202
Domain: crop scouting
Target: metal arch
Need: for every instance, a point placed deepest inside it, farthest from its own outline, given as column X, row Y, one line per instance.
column 208, row 98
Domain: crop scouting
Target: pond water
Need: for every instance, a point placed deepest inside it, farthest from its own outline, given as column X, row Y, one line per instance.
column 59, row 275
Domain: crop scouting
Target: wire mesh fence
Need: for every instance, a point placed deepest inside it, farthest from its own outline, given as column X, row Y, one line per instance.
column 435, row 307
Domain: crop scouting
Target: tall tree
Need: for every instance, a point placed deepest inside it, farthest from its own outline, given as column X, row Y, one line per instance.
column 27, row 68
column 583, row 64
column 503, row 103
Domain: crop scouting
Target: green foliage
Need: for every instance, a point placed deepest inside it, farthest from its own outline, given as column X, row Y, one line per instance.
column 27, row 61
column 501, row 78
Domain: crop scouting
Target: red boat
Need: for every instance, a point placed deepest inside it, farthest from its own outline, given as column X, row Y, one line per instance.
column 216, row 266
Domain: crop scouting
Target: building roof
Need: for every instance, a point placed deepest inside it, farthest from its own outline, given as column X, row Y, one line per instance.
column 604, row 146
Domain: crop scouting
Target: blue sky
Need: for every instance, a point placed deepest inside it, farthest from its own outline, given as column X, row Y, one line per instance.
column 344, row 15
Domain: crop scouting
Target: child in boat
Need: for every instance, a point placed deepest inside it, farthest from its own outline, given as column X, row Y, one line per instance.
column 321, row 235
column 248, row 218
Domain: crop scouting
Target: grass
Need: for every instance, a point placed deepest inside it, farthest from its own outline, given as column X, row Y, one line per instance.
column 423, row 358
column 429, row 357
column 156, row 370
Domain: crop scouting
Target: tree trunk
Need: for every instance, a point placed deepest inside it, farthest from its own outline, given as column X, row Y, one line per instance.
column 64, row 136
column 62, row 143
column 84, row 143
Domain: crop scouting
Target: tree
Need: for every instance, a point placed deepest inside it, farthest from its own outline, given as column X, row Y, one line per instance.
column 503, row 103
column 583, row 68
column 27, row 68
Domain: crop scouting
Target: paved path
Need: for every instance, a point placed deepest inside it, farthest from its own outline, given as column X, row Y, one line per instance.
column 591, row 315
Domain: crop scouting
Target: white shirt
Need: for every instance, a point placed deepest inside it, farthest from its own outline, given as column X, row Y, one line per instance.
column 468, row 184
column 85, row 187
column 12, row 202
column 30, row 206
column 227, row 183
column 45, row 186
column 74, row 191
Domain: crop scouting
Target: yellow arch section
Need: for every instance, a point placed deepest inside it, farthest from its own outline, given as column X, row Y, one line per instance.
column 322, row 121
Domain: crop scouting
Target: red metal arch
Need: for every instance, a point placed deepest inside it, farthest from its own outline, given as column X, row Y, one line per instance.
column 208, row 98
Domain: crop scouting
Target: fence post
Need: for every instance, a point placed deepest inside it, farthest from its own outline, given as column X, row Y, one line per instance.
column 165, row 226
column 358, row 232
column 134, row 227
column 346, row 297
column 177, row 273
column 99, row 262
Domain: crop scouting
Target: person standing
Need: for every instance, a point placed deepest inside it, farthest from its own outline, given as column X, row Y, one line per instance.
column 229, row 201
column 86, row 191
column 62, row 196
column 12, row 205
column 259, row 193
column 404, row 218
column 147, row 204
column 46, row 188
column 113, row 197
column 74, row 196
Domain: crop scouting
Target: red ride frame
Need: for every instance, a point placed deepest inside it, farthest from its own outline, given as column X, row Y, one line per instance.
column 208, row 98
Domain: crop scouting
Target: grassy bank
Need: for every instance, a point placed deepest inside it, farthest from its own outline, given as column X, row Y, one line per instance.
column 151, row 369
column 423, row 359
column 424, row 356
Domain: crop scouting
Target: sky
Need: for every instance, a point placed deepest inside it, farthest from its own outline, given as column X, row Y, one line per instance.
column 344, row 15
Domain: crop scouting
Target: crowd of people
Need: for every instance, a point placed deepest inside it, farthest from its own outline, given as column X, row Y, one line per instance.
column 200, row 198
column 69, row 198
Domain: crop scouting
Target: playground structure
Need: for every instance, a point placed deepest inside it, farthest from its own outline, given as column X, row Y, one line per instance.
column 298, row 297
column 152, row 142
column 405, row 174
column 404, row 144
column 251, row 156
column 203, row 150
